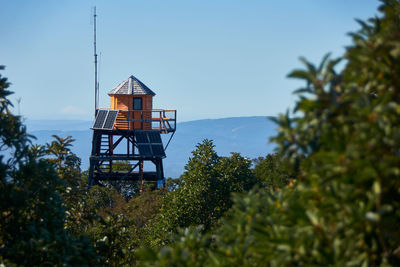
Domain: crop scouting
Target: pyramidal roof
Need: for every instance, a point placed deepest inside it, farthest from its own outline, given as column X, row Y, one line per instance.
column 131, row 86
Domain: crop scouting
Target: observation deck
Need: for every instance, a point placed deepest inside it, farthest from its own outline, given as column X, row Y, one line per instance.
column 161, row 120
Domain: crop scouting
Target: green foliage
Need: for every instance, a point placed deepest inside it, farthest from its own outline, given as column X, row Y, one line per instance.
column 104, row 200
column 32, row 209
column 343, row 146
column 189, row 248
column 173, row 183
column 66, row 163
column 271, row 171
column 204, row 193
column 121, row 165
column 114, row 238
column 13, row 136
column 115, row 226
column 67, row 166
column 144, row 207
column 348, row 132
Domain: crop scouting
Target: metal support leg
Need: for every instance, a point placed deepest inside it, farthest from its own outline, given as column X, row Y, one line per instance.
column 141, row 176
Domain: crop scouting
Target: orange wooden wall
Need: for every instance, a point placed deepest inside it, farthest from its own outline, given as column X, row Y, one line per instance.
column 125, row 102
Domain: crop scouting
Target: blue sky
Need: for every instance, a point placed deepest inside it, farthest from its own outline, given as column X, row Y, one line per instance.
column 207, row 59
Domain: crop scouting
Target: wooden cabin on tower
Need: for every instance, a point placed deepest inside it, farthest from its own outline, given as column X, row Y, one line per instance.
column 133, row 99
column 130, row 132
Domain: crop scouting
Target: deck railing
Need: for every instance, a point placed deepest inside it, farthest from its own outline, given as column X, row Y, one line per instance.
column 163, row 120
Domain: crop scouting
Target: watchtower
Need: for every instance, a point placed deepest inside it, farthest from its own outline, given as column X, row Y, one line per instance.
column 130, row 132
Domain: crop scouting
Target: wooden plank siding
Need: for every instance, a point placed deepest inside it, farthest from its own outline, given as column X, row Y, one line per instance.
column 125, row 103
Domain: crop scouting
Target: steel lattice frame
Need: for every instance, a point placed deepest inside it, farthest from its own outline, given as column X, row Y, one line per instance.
column 103, row 156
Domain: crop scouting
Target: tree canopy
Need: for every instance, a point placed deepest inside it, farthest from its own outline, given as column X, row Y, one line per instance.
column 32, row 208
column 342, row 145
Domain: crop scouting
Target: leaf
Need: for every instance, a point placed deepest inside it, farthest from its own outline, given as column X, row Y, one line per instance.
column 301, row 74
column 323, row 63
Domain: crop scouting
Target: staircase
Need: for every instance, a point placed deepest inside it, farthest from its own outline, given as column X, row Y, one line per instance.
column 122, row 121
column 105, row 150
column 104, row 145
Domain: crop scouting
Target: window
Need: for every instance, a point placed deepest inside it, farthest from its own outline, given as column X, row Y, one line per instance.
column 137, row 103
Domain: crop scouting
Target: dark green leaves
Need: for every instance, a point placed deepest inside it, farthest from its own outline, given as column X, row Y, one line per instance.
column 343, row 148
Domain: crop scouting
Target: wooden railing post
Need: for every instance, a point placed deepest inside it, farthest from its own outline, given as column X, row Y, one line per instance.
column 130, row 120
column 141, row 119
column 161, row 118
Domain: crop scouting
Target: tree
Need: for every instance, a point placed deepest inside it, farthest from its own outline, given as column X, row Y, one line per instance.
column 13, row 136
column 204, row 193
column 348, row 138
column 32, row 209
column 271, row 171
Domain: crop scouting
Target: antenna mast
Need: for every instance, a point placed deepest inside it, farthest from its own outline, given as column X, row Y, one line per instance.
column 96, row 88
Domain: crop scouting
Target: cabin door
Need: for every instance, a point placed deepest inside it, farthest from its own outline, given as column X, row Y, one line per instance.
column 137, row 112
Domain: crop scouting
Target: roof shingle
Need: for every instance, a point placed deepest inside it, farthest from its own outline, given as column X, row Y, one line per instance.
column 131, row 86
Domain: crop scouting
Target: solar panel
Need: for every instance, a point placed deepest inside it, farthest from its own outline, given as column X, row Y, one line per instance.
column 141, row 137
column 110, row 120
column 101, row 115
column 154, row 137
column 150, row 144
column 144, row 150
column 158, row 150
column 105, row 119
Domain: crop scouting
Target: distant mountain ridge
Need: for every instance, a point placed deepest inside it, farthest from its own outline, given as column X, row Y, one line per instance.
column 58, row 125
column 246, row 135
